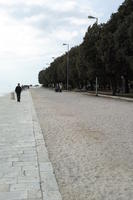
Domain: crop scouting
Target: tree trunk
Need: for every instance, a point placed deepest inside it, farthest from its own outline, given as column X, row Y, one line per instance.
column 92, row 86
column 114, row 86
column 126, row 85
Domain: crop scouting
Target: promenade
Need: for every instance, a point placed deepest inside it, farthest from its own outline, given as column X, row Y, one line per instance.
column 84, row 141
column 90, row 143
column 26, row 172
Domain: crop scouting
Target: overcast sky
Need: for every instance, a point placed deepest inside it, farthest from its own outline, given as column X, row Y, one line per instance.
column 33, row 31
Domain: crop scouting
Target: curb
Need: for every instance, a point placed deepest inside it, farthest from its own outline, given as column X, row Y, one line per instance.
column 111, row 97
column 48, row 183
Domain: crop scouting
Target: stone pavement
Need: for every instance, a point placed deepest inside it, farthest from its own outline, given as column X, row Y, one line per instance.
column 26, row 172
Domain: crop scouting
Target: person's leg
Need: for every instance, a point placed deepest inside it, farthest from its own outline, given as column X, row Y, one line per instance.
column 19, row 97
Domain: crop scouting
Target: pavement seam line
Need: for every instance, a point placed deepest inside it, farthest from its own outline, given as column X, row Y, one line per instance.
column 33, row 122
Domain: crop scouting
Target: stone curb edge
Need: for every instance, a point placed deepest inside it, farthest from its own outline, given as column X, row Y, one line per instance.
column 48, row 183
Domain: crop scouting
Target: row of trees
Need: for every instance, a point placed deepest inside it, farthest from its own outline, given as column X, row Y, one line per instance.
column 106, row 52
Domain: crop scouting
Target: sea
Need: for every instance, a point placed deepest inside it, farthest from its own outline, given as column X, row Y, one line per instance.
column 4, row 90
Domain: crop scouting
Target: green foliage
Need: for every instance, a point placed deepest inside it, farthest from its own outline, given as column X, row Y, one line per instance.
column 106, row 52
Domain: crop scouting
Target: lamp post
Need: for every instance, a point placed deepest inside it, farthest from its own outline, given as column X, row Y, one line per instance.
column 123, row 84
column 92, row 17
column 67, row 73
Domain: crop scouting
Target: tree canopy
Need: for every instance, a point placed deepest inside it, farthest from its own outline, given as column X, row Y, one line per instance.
column 106, row 52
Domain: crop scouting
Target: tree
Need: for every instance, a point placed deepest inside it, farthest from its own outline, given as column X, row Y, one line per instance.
column 106, row 52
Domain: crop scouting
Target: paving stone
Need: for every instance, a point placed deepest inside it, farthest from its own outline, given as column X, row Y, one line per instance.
column 31, row 173
column 30, row 167
column 48, row 182
column 4, row 187
column 52, row 195
column 28, row 158
column 34, row 194
column 22, row 163
column 46, row 167
column 13, row 195
column 35, row 199
column 5, row 164
column 23, row 155
column 27, row 179
column 8, row 180
column 10, row 172
column 25, row 186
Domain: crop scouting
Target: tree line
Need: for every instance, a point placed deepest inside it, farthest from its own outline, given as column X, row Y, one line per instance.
column 106, row 53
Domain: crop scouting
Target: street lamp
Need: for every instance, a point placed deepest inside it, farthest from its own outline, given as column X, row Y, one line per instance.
column 92, row 17
column 123, row 84
column 67, row 81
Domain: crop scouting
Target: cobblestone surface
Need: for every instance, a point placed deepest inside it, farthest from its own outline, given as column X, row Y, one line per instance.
column 24, row 164
column 90, row 144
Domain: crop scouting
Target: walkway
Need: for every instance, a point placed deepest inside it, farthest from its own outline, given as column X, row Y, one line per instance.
column 25, row 170
column 90, row 143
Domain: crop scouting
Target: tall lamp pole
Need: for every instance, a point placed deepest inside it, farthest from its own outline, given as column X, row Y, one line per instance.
column 92, row 17
column 67, row 73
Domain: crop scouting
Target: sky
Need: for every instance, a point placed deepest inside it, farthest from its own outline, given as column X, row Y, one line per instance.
column 33, row 31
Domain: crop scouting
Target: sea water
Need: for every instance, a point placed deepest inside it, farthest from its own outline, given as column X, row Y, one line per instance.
column 5, row 90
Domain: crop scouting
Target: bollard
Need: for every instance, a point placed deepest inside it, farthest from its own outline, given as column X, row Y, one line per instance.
column 12, row 96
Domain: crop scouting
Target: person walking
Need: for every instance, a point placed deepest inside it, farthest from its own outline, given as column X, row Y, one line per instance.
column 18, row 90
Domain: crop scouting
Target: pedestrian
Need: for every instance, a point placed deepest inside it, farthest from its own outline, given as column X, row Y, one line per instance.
column 57, row 87
column 18, row 90
column 60, row 87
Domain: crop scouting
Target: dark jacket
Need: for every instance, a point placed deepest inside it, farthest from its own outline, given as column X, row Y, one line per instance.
column 18, row 89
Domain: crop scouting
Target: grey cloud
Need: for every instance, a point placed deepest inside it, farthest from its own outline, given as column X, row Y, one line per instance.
column 52, row 18
column 21, row 12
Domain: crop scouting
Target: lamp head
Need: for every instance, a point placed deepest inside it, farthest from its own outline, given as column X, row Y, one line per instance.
column 91, row 17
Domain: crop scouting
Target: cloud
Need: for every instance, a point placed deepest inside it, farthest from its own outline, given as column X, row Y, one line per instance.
column 77, row 21
column 29, row 2
column 63, row 6
column 33, row 31
column 15, row 37
column 26, row 29
column 62, row 34
column 35, row 18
